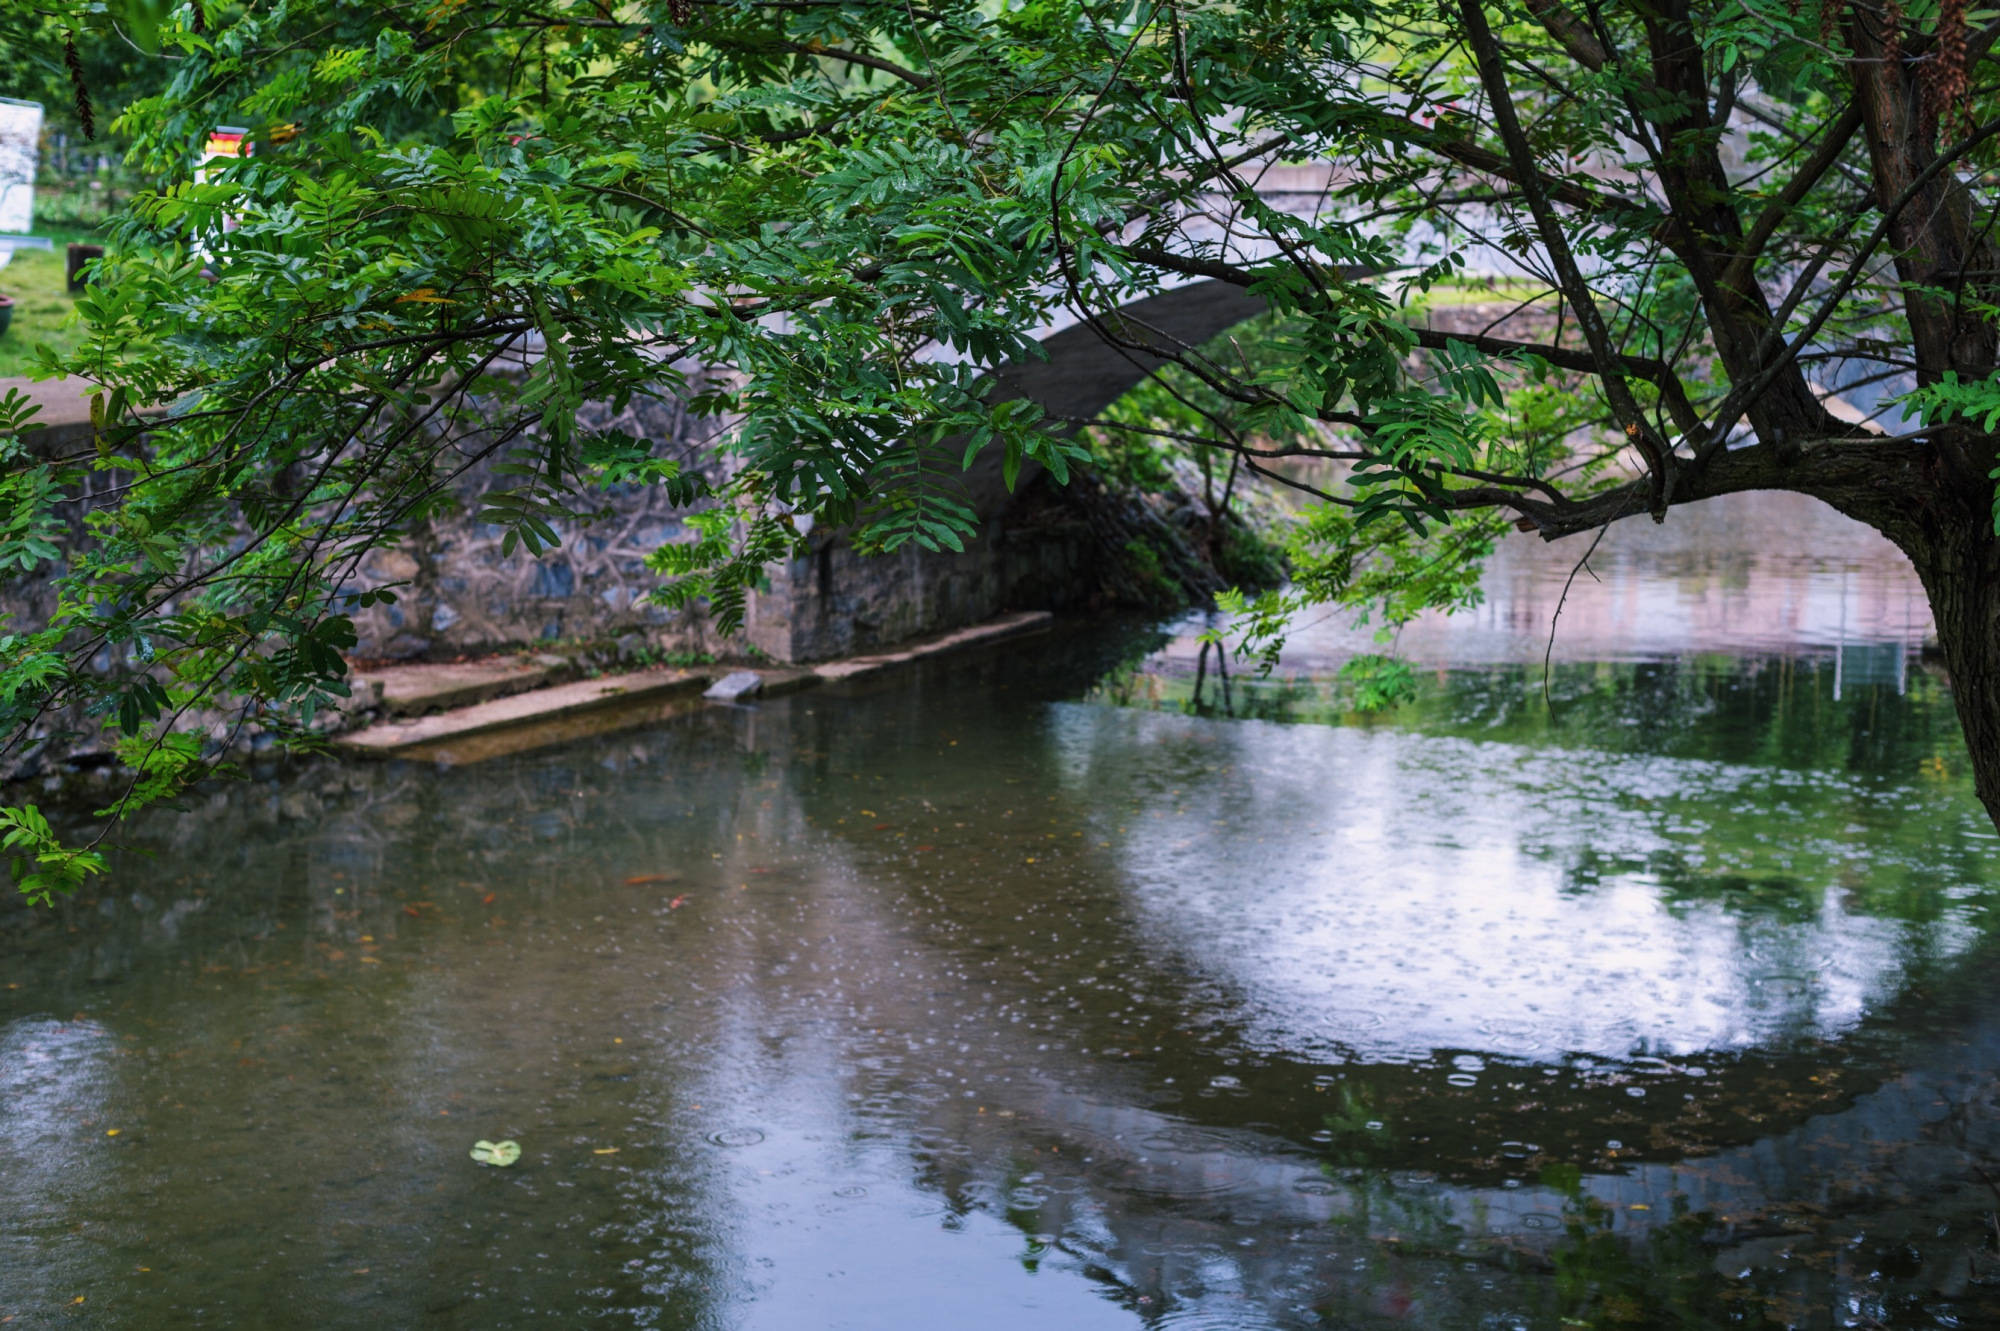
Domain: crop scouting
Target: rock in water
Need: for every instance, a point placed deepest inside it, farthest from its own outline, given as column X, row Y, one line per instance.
column 736, row 686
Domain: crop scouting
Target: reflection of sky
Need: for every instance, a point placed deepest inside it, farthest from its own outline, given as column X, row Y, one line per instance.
column 1394, row 894
column 54, row 1078
column 831, row 1147
column 1755, row 573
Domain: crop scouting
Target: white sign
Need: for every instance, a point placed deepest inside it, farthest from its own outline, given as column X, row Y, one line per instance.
column 20, row 141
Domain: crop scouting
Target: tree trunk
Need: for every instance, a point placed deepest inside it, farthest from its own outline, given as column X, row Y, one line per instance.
column 1946, row 529
column 1960, row 567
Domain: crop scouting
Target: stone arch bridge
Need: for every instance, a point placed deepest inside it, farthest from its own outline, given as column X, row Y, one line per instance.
column 461, row 596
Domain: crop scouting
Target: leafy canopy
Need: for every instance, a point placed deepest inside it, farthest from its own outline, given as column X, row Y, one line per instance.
column 825, row 222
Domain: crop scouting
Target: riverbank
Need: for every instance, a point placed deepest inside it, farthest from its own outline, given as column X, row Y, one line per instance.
column 430, row 710
column 469, row 710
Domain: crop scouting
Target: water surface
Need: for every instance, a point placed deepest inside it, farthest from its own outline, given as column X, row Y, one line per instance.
column 971, row 998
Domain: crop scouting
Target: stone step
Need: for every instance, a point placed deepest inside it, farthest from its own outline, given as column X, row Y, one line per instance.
column 419, row 688
column 530, row 717
column 973, row 635
column 541, row 705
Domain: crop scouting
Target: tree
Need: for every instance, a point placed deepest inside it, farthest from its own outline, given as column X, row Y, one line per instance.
column 466, row 220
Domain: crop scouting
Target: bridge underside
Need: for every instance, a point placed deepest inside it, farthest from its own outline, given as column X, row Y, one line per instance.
column 1033, row 551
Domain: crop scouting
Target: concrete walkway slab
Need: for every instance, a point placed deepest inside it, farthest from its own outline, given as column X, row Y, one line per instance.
column 524, row 709
column 419, row 688
column 63, row 401
column 543, row 732
column 975, row 635
column 532, row 717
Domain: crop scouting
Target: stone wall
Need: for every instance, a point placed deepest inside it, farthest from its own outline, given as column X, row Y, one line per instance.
column 462, row 596
column 834, row 602
column 459, row 595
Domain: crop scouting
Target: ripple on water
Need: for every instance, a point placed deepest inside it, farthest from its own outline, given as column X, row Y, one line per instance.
column 736, row 1137
column 1170, row 1186
column 1188, row 1139
column 1201, row 1319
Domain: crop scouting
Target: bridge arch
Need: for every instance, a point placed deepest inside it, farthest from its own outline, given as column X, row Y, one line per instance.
column 833, row 602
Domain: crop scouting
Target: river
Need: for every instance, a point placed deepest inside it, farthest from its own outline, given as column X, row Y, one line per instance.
column 1038, row 989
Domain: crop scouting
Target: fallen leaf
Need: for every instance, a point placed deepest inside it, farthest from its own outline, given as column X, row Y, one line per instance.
column 486, row 900
column 926, row 847
column 677, row 903
column 500, row 1154
column 881, row 827
column 641, row 879
column 605, row 1150
column 112, row 1132
column 413, row 912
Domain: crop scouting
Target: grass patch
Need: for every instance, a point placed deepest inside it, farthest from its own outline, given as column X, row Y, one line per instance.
column 42, row 304
column 1476, row 291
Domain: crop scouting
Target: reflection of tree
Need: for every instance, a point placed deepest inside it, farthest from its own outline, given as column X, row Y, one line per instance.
column 1790, row 796
column 956, row 940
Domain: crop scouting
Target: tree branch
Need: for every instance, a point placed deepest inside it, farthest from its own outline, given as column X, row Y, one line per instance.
column 1574, row 34
column 1838, row 135
column 1486, row 53
column 841, row 53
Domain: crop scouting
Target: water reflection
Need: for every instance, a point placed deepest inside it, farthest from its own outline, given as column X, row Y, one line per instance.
column 1534, row 902
column 946, row 1001
column 1750, row 574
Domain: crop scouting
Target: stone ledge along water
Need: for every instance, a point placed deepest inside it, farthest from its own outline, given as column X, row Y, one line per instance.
column 536, row 716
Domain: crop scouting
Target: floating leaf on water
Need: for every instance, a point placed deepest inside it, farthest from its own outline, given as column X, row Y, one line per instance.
column 501, row 1154
column 641, row 879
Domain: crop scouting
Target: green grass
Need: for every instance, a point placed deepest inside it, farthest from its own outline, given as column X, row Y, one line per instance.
column 42, row 306
column 1467, row 291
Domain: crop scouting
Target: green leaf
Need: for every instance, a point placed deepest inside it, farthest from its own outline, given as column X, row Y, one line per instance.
column 498, row 1154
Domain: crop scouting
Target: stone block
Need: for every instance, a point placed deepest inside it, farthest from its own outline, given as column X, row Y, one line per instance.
column 736, row 686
